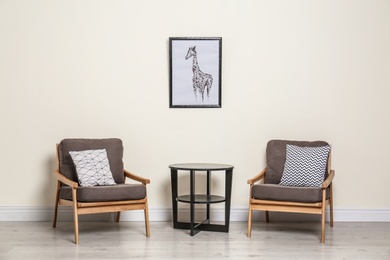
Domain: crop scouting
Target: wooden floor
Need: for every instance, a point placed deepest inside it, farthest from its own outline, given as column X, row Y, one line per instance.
column 126, row 240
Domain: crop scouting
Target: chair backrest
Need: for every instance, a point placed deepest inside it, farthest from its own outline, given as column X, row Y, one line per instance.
column 113, row 146
column 276, row 157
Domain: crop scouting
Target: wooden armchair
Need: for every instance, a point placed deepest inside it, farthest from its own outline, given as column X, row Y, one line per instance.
column 98, row 199
column 267, row 193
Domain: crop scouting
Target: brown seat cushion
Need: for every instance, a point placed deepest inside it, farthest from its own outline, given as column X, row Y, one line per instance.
column 105, row 193
column 287, row 193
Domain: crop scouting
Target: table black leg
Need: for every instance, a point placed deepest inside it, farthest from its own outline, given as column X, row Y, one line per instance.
column 208, row 194
column 228, row 196
column 174, row 196
column 192, row 202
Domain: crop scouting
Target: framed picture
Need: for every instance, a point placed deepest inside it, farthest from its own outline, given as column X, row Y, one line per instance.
column 195, row 72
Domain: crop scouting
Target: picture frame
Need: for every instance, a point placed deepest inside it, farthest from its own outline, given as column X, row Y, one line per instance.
column 195, row 72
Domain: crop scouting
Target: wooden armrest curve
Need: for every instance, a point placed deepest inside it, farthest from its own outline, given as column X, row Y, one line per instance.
column 65, row 180
column 328, row 180
column 257, row 177
column 136, row 177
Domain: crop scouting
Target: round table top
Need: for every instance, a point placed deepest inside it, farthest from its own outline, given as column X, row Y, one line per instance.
column 201, row 166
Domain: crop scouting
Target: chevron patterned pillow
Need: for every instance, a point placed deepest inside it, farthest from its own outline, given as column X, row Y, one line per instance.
column 92, row 167
column 304, row 166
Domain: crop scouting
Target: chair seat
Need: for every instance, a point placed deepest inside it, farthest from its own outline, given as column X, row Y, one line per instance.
column 105, row 193
column 287, row 193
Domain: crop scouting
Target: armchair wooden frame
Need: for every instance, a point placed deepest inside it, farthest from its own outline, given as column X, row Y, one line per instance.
column 295, row 207
column 80, row 208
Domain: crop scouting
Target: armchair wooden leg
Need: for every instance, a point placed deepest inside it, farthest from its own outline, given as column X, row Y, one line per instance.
column 146, row 213
column 323, row 211
column 118, row 216
column 331, row 205
column 56, row 205
column 76, row 228
column 250, row 221
column 323, row 229
column 75, row 217
column 267, row 216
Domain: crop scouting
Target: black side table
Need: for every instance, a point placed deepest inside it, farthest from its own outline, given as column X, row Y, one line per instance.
column 207, row 198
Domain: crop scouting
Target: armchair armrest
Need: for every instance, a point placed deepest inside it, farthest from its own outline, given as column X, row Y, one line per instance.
column 257, row 177
column 136, row 177
column 328, row 180
column 65, row 180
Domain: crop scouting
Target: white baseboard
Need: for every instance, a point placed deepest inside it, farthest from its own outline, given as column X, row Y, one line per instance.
column 165, row 214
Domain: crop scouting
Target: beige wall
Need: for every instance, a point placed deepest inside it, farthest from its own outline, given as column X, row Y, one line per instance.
column 291, row 69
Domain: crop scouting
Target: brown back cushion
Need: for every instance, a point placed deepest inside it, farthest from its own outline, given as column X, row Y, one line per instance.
column 113, row 146
column 276, row 157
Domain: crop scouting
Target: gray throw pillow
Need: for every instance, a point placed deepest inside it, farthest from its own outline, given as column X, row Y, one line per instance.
column 92, row 167
column 305, row 166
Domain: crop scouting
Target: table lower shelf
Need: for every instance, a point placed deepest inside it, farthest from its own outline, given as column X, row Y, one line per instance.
column 201, row 199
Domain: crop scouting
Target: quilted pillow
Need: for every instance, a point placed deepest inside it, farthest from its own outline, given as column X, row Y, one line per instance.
column 92, row 167
column 305, row 166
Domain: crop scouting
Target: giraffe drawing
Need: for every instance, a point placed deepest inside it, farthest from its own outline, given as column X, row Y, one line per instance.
column 200, row 81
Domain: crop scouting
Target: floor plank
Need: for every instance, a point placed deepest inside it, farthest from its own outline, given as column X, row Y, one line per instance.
column 126, row 240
